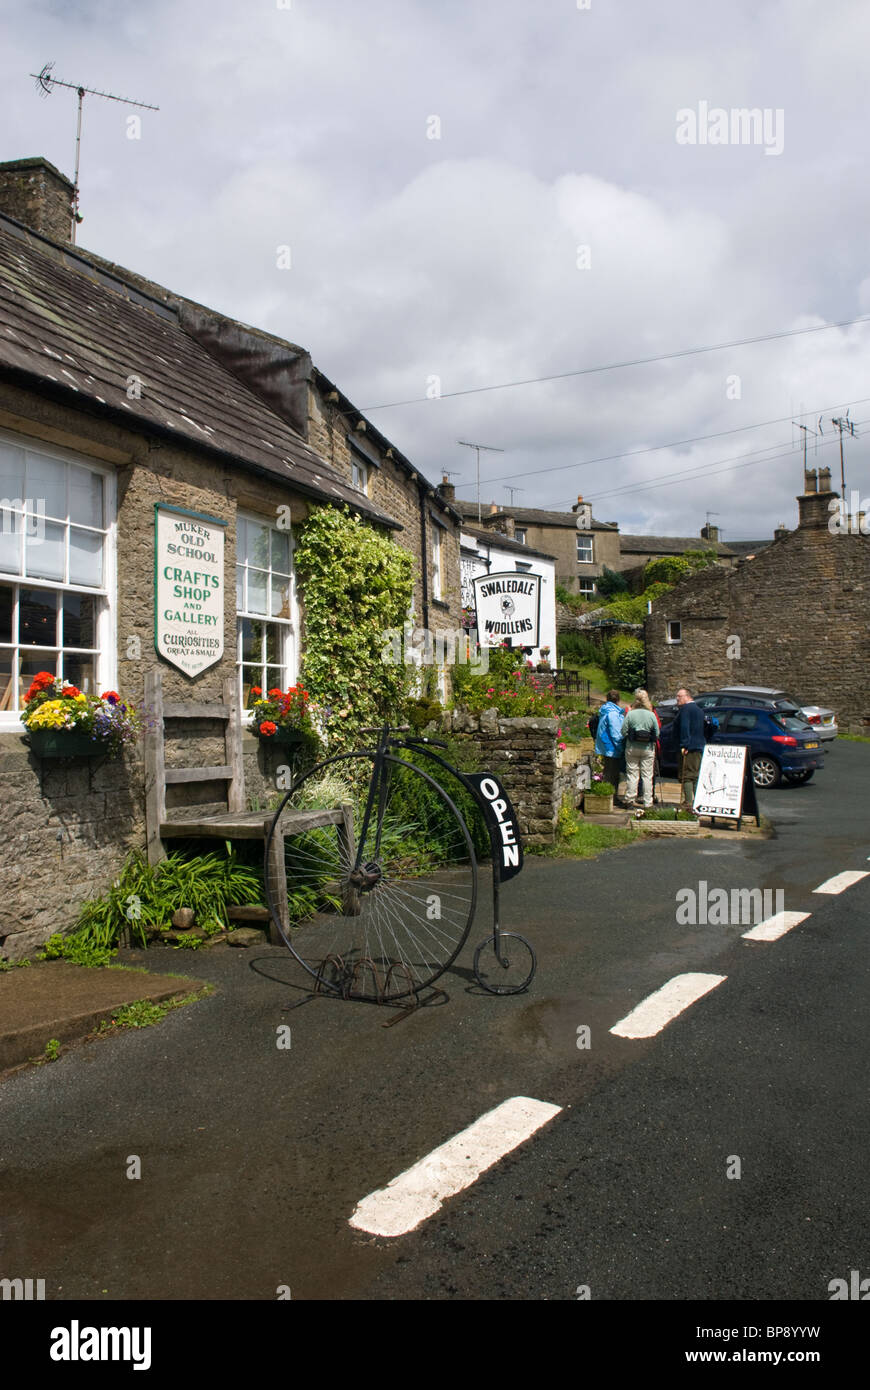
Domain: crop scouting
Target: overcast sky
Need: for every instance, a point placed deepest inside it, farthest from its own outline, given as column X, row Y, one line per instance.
column 458, row 262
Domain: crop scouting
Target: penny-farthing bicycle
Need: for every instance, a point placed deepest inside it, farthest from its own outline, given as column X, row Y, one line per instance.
column 381, row 898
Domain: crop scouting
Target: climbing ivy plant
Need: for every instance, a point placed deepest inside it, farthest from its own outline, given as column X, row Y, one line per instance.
column 357, row 585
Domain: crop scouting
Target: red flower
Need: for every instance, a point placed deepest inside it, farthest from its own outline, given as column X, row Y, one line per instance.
column 256, row 690
column 268, row 728
column 112, row 696
column 275, row 694
column 70, row 690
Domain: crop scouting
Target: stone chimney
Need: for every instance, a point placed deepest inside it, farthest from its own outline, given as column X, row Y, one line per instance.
column 579, row 503
column 493, row 508
column 815, row 505
column 824, row 480
column 37, row 194
column 447, row 490
column 710, row 533
column 781, row 532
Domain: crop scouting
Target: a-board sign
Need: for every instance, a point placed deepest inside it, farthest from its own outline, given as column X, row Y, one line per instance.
column 188, row 588
column 501, row 819
column 719, row 789
column 508, row 608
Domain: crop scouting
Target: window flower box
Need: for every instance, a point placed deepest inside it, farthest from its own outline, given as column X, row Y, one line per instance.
column 65, row 743
column 64, row 722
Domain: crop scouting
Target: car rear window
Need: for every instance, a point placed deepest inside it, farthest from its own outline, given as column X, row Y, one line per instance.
column 792, row 725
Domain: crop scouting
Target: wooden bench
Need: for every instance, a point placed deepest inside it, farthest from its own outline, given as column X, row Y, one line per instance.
column 211, row 821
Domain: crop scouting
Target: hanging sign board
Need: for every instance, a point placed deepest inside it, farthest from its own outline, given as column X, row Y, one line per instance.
column 501, row 819
column 188, row 588
column 508, row 608
column 719, row 789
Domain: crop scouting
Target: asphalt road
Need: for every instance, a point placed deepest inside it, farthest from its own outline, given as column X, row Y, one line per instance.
column 253, row 1157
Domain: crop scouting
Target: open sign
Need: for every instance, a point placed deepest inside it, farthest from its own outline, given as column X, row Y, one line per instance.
column 501, row 818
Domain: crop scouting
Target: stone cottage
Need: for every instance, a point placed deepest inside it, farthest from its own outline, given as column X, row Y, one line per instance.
column 124, row 408
column 794, row 616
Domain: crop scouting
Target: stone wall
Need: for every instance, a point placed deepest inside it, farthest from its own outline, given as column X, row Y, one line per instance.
column 523, row 754
column 800, row 611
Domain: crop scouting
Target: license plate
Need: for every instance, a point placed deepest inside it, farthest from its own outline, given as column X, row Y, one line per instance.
column 811, row 745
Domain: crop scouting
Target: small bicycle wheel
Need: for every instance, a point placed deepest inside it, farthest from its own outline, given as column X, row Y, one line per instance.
column 378, row 905
column 509, row 972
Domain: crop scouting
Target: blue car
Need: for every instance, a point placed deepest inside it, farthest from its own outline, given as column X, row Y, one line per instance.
column 781, row 747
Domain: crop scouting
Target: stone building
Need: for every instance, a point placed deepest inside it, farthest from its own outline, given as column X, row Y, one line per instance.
column 121, row 403
column 580, row 545
column 795, row 617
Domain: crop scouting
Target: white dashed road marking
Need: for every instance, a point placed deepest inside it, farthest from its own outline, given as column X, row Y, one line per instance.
column 418, row 1192
column 653, row 1013
column 772, row 928
column 841, row 881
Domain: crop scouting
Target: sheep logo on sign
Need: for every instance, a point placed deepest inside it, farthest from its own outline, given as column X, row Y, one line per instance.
column 508, row 607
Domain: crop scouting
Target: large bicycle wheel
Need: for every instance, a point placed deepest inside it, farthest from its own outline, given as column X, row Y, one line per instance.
column 380, row 898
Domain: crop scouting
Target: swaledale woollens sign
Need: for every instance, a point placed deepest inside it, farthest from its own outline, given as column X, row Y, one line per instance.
column 508, row 607
column 189, row 588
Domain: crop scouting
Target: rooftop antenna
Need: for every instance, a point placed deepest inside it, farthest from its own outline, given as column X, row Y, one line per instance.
column 512, row 490
column 841, row 423
column 489, row 449
column 805, row 431
column 46, row 84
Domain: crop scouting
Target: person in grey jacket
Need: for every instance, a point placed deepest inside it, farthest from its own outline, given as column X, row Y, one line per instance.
column 640, row 729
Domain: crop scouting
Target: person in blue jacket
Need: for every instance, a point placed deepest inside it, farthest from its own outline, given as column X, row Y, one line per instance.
column 609, row 742
column 690, row 729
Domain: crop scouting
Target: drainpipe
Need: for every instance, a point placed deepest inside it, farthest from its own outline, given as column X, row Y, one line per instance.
column 424, row 555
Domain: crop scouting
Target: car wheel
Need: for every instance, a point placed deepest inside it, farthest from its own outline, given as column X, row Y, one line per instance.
column 798, row 778
column 765, row 772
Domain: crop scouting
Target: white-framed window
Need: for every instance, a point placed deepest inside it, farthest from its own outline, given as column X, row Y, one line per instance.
column 586, row 588
column 359, row 474
column 437, row 562
column 520, row 534
column 674, row 632
column 521, row 565
column 265, row 606
column 57, row 514
column 585, row 550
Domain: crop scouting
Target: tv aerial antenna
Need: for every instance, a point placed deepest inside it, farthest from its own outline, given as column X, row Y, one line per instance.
column 46, row 83
column 488, row 448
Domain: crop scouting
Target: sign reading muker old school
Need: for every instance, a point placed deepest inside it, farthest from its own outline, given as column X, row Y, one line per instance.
column 188, row 588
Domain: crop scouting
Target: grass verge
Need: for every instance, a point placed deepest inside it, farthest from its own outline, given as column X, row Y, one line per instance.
column 142, row 1013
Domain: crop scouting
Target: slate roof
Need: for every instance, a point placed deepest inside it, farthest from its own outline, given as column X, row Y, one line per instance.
column 492, row 537
column 669, row 545
column 532, row 516
column 76, row 332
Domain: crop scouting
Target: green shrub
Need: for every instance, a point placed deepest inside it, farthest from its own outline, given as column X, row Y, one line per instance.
column 611, row 582
column 628, row 662
column 667, row 570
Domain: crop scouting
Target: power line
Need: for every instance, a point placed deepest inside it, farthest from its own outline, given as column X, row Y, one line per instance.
column 616, row 366
column 654, row 448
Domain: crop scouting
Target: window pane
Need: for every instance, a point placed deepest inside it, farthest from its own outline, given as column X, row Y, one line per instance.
column 11, row 471
column 32, row 663
column 46, row 485
column 85, row 557
column 11, row 531
column 85, row 497
column 257, row 591
column 250, row 676
column 6, row 595
column 37, row 619
column 257, row 544
column 79, row 670
column 274, row 677
column 251, row 641
column 79, row 620
column 281, row 552
column 44, row 552
column 240, row 589
column 280, row 597
column 241, row 539
column 273, row 645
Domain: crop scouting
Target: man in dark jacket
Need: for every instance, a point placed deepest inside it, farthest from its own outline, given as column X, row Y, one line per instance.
column 690, row 733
